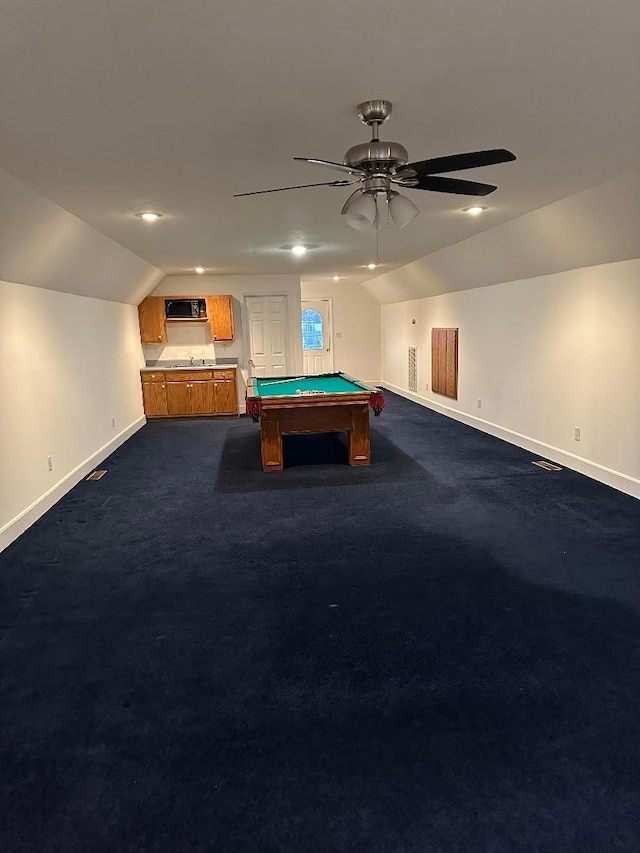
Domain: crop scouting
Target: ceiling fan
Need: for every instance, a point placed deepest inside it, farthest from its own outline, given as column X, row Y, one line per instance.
column 379, row 167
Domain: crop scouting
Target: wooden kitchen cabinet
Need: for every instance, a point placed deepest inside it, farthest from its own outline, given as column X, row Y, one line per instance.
column 220, row 316
column 189, row 393
column 153, row 323
column 151, row 319
column 154, row 395
column 226, row 395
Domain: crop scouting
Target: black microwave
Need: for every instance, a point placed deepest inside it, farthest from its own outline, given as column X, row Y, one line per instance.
column 184, row 309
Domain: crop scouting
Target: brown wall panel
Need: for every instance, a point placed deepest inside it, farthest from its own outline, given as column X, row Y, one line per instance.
column 444, row 362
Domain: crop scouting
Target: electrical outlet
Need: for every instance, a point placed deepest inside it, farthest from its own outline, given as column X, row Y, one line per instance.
column 479, row 403
column 49, row 463
column 338, row 334
column 576, row 433
column 113, row 422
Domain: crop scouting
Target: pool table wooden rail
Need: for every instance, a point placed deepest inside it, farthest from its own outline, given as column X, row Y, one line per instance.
column 289, row 415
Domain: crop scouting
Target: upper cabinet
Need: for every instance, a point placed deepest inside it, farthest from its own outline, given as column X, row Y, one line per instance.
column 151, row 316
column 220, row 315
column 153, row 319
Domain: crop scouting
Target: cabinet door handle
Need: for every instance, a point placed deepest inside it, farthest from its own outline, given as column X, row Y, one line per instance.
column 163, row 386
column 159, row 337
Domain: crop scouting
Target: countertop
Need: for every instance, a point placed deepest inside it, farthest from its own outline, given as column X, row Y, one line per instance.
column 185, row 364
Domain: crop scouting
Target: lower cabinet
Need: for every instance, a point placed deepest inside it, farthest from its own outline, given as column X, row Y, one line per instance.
column 225, row 392
column 154, row 395
column 189, row 393
column 190, row 398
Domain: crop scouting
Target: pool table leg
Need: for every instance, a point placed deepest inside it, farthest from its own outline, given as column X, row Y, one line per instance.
column 359, row 440
column 271, row 444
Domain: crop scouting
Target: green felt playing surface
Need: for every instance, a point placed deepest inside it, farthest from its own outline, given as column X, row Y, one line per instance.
column 329, row 383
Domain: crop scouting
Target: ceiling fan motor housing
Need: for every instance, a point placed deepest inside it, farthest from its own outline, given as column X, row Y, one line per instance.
column 377, row 156
column 377, row 159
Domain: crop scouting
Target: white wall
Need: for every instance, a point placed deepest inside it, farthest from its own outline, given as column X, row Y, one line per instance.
column 356, row 326
column 70, row 351
column 184, row 340
column 68, row 365
column 544, row 355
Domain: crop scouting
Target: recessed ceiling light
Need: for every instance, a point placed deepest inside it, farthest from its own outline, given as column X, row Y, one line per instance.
column 336, row 278
column 298, row 250
column 474, row 210
column 371, row 266
column 198, row 269
column 149, row 216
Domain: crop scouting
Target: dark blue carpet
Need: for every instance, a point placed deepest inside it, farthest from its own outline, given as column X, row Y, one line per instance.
column 439, row 653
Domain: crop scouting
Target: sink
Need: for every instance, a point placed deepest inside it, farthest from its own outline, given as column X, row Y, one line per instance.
column 188, row 366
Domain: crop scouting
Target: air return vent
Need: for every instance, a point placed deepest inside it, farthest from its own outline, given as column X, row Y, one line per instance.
column 413, row 370
column 96, row 475
column 548, row 466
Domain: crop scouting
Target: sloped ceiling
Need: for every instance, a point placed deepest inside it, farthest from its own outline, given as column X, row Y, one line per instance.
column 596, row 226
column 42, row 245
column 109, row 108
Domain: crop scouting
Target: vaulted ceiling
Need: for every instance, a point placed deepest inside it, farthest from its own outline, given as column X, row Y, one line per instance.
column 111, row 108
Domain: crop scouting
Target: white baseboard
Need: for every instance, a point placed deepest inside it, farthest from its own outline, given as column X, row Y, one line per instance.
column 17, row 526
column 615, row 479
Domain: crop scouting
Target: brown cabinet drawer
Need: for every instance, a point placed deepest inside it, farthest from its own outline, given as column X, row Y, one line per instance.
column 188, row 375
column 149, row 376
column 224, row 374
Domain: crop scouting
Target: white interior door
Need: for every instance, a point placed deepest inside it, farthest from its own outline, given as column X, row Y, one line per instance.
column 268, row 327
column 317, row 336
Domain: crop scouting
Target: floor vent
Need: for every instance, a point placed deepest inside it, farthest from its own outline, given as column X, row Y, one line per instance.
column 413, row 370
column 96, row 475
column 548, row 466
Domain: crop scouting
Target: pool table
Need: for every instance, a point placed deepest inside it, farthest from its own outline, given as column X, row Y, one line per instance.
column 330, row 402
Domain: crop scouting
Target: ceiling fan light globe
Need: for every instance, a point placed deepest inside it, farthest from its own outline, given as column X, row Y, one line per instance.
column 362, row 212
column 354, row 195
column 402, row 210
column 359, row 222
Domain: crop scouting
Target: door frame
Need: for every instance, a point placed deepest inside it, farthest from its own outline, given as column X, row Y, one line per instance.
column 331, row 336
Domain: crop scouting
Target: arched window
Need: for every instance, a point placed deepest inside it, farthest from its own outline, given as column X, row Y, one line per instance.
column 312, row 329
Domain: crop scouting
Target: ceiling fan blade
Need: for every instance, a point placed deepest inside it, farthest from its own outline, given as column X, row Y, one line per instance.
column 452, row 185
column 331, row 165
column 298, row 187
column 455, row 162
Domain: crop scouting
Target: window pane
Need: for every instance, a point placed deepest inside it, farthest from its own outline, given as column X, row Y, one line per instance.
column 312, row 337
